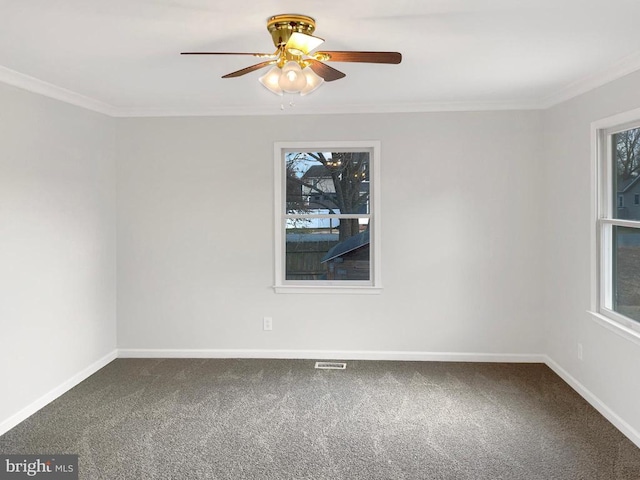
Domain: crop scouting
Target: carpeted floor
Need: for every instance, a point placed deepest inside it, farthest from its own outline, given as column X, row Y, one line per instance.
column 281, row 419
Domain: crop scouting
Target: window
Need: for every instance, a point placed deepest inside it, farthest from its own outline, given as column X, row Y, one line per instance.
column 617, row 243
column 327, row 233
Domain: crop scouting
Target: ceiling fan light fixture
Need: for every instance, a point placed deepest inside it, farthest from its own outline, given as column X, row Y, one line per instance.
column 302, row 44
column 292, row 79
column 293, row 68
column 313, row 82
column 270, row 80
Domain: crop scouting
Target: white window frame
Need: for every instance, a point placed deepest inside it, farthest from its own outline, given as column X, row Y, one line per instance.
column 603, row 208
column 374, row 285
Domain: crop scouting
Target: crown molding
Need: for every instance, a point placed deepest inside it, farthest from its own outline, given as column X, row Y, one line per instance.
column 329, row 109
column 614, row 71
column 619, row 69
column 32, row 84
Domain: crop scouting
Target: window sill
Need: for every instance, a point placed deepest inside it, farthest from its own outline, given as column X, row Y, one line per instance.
column 313, row 289
column 616, row 327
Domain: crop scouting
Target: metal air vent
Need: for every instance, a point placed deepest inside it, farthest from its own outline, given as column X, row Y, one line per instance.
column 331, row 365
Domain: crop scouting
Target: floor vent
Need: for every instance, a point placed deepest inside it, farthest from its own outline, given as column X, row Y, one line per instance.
column 331, row 365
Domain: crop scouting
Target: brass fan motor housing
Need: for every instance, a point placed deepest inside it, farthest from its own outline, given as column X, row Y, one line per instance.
column 282, row 26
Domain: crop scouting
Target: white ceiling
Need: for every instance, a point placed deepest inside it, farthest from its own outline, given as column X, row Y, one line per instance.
column 122, row 56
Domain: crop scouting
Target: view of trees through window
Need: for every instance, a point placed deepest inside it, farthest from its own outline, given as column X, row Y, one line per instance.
column 327, row 215
column 626, row 239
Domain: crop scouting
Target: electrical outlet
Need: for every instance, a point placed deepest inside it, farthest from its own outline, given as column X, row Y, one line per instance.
column 267, row 323
column 579, row 351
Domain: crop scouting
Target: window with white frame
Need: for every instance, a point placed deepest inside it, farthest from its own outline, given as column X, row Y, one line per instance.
column 618, row 222
column 327, row 231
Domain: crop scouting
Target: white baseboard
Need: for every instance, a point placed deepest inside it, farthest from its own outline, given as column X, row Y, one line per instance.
column 333, row 355
column 49, row 397
column 630, row 432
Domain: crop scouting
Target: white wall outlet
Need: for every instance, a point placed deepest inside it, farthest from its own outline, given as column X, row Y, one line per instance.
column 267, row 323
column 579, row 351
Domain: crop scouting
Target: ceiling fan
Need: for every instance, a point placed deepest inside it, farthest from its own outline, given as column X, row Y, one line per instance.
column 295, row 67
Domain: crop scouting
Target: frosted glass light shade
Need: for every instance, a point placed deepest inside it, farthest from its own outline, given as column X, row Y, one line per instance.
column 313, row 81
column 270, row 80
column 302, row 44
column 292, row 79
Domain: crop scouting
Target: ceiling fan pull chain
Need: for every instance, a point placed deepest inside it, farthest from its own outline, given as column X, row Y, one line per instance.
column 291, row 102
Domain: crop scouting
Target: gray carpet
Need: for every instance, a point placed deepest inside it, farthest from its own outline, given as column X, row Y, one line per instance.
column 281, row 419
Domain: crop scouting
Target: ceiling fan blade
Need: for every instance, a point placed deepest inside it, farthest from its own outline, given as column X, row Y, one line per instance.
column 301, row 43
column 365, row 57
column 325, row 71
column 250, row 69
column 259, row 55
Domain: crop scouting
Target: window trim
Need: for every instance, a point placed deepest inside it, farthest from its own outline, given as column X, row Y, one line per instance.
column 602, row 215
column 342, row 287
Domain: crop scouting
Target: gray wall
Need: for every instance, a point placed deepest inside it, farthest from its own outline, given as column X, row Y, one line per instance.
column 461, row 236
column 486, row 240
column 611, row 363
column 57, row 244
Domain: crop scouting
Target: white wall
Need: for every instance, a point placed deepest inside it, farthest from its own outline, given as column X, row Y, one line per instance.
column 57, row 245
column 461, row 236
column 611, row 363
